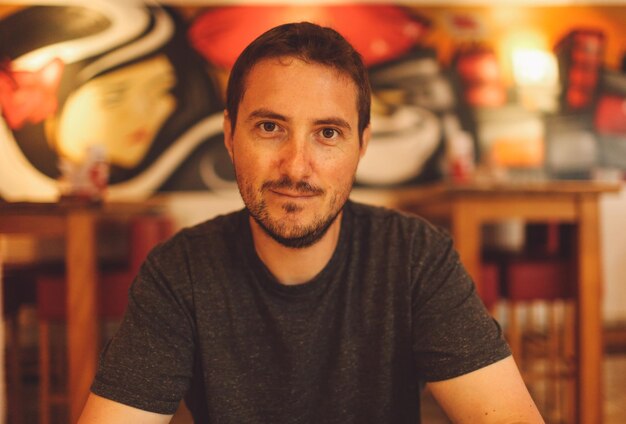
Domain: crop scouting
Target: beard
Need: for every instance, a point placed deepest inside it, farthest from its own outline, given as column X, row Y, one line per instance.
column 296, row 236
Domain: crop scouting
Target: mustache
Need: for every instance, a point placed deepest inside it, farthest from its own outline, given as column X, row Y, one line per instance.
column 303, row 187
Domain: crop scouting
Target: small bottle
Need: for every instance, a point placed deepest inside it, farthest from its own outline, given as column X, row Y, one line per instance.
column 459, row 161
column 96, row 171
column 461, row 157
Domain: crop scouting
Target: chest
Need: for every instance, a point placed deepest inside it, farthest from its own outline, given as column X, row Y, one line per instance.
column 345, row 349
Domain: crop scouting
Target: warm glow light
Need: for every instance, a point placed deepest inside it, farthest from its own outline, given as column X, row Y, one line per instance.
column 534, row 67
column 513, row 39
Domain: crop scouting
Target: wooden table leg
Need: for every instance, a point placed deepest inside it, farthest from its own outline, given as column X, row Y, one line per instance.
column 589, row 369
column 466, row 232
column 82, row 329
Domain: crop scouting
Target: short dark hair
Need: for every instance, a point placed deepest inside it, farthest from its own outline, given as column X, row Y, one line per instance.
column 310, row 43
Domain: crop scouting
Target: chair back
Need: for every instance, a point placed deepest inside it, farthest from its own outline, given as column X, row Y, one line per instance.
column 146, row 232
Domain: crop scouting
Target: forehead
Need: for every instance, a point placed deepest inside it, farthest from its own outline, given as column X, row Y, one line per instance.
column 293, row 84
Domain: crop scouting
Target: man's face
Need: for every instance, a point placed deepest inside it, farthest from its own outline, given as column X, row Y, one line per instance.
column 295, row 147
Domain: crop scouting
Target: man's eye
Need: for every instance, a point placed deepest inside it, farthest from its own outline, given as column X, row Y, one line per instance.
column 268, row 126
column 329, row 132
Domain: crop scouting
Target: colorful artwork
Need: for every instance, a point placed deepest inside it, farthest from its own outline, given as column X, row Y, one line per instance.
column 540, row 95
column 104, row 73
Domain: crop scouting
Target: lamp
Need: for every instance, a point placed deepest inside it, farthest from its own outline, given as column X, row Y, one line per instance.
column 536, row 76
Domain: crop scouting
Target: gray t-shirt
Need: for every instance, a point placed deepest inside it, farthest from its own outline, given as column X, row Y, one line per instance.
column 392, row 308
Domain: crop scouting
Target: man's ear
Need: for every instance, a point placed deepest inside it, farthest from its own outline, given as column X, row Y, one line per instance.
column 365, row 139
column 228, row 134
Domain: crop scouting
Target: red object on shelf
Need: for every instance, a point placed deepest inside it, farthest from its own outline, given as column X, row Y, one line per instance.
column 610, row 116
column 481, row 78
column 583, row 77
column 580, row 54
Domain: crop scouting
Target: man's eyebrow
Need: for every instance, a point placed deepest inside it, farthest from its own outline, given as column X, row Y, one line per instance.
column 338, row 122
column 266, row 114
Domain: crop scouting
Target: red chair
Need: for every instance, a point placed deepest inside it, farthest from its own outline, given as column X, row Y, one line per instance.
column 144, row 233
column 490, row 276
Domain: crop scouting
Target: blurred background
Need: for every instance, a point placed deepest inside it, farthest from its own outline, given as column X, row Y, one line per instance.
column 120, row 102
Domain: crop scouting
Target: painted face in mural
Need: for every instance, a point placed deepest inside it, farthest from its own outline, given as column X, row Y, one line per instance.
column 122, row 110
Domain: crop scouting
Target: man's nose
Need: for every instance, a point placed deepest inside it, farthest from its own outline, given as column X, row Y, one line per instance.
column 296, row 158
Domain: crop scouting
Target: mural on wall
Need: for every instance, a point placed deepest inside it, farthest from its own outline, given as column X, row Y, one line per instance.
column 124, row 77
column 543, row 97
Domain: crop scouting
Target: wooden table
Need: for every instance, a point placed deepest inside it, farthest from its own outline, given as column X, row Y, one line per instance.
column 77, row 223
column 468, row 206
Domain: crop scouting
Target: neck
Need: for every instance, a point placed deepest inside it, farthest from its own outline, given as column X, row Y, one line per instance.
column 291, row 266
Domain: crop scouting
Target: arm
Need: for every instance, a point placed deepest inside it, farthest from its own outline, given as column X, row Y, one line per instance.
column 149, row 362
column 493, row 394
column 101, row 410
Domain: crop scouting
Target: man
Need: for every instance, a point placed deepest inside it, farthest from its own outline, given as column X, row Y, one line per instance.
column 304, row 307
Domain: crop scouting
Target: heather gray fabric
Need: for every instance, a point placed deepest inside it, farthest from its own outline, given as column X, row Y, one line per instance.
column 393, row 307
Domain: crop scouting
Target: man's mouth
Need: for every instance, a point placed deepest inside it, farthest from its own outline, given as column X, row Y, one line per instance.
column 294, row 194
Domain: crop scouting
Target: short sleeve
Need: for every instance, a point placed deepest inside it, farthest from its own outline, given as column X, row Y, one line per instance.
column 148, row 363
column 453, row 333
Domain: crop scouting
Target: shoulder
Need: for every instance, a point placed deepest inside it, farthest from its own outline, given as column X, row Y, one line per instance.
column 194, row 255
column 397, row 224
column 403, row 240
column 216, row 234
